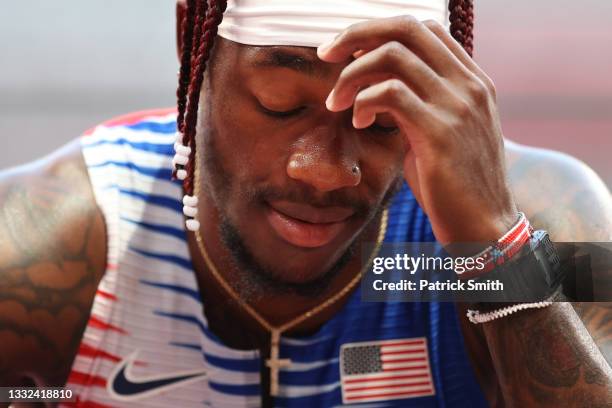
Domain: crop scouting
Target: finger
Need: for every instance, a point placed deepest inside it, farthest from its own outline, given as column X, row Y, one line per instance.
column 391, row 60
column 411, row 175
column 408, row 30
column 396, row 98
column 458, row 51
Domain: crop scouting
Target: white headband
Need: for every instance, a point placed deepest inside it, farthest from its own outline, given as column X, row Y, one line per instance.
column 310, row 23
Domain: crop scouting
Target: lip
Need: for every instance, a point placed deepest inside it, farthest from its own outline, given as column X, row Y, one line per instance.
column 306, row 226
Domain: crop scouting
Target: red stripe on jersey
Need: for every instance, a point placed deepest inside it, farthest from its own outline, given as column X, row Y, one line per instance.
column 390, row 353
column 402, row 343
column 99, row 324
column 87, row 380
column 88, row 351
column 378, row 387
column 405, row 368
column 89, row 404
column 404, row 360
column 388, row 377
column 132, row 118
column 106, row 295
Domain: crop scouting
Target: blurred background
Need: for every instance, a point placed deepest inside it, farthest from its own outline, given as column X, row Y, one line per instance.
column 66, row 65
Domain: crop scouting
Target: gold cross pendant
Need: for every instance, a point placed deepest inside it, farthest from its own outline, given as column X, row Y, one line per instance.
column 275, row 363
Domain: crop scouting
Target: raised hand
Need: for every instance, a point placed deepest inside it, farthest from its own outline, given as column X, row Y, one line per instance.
column 444, row 106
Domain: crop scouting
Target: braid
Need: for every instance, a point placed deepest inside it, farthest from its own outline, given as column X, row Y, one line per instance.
column 462, row 23
column 201, row 49
column 187, row 36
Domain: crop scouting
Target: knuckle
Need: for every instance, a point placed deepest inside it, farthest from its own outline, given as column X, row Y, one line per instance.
column 408, row 23
column 393, row 88
column 478, row 91
column 394, row 51
column 463, row 108
column 490, row 85
column 433, row 25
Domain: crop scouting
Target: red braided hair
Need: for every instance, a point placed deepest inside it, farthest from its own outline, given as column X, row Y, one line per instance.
column 207, row 16
column 462, row 23
column 202, row 19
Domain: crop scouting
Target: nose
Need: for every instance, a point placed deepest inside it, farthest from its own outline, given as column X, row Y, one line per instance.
column 325, row 161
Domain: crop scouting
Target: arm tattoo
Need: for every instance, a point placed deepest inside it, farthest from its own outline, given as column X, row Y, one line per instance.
column 560, row 362
column 557, row 356
column 597, row 318
column 52, row 255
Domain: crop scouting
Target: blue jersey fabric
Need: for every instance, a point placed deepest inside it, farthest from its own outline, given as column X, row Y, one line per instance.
column 150, row 303
column 454, row 379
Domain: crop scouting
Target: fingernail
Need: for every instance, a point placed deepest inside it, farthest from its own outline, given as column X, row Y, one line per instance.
column 363, row 124
column 329, row 102
column 323, row 48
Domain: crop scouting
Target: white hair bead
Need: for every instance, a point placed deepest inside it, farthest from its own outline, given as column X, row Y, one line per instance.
column 179, row 137
column 192, row 225
column 182, row 160
column 190, row 211
column 182, row 150
column 181, row 174
column 190, row 201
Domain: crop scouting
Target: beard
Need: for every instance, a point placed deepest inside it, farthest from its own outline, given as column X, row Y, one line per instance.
column 256, row 279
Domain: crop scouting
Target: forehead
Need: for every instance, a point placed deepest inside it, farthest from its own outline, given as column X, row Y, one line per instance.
column 304, row 60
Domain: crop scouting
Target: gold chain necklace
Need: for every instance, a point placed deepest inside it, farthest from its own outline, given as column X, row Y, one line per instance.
column 274, row 363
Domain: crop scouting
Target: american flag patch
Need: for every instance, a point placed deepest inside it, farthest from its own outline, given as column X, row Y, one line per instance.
column 385, row 370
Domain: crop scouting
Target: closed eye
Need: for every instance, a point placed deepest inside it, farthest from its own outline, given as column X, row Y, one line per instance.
column 281, row 114
column 387, row 130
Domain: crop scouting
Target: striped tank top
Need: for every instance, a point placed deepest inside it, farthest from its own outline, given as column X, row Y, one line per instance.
column 147, row 342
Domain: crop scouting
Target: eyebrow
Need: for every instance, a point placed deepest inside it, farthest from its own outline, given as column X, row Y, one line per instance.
column 283, row 58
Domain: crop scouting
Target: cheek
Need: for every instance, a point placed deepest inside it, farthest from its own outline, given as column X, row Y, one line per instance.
column 249, row 152
column 257, row 150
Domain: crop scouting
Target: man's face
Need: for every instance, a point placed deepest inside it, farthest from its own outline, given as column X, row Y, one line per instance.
column 294, row 184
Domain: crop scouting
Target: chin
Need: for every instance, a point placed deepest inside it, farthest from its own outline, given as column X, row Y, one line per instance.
column 269, row 262
column 298, row 270
column 272, row 266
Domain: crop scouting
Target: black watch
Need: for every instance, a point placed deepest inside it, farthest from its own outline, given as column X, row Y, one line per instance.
column 533, row 275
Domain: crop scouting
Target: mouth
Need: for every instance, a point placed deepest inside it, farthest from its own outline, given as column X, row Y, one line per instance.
column 306, row 226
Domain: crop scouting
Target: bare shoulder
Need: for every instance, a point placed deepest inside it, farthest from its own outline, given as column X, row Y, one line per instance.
column 52, row 256
column 568, row 199
column 560, row 193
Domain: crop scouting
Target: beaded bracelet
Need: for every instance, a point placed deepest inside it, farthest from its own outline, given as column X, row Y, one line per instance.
column 478, row 317
column 504, row 249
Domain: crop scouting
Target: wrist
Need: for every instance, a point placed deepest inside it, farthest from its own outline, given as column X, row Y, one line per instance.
column 478, row 228
column 504, row 248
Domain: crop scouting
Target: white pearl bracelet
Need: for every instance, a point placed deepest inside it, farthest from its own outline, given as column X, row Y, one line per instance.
column 478, row 317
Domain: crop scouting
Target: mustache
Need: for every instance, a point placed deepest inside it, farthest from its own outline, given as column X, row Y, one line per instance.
column 339, row 198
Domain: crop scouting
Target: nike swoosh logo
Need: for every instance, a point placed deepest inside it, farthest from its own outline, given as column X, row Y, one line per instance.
column 123, row 385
